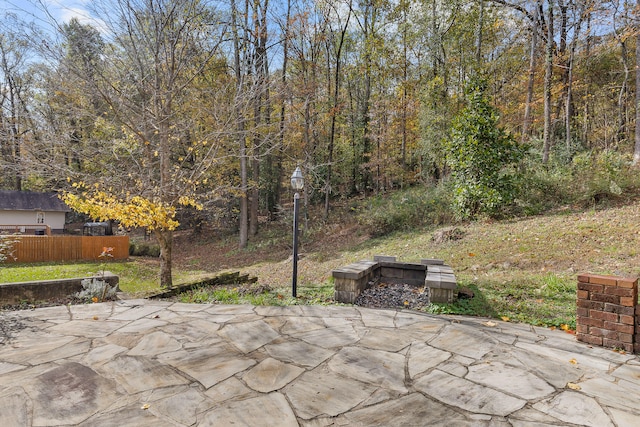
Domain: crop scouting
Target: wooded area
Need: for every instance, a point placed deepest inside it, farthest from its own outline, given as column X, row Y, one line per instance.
column 212, row 105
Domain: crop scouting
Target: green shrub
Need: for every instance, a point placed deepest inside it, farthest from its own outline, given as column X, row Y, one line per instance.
column 589, row 179
column 603, row 176
column 482, row 157
column 144, row 249
column 403, row 210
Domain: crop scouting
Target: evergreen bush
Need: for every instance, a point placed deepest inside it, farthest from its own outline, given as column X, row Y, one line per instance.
column 482, row 158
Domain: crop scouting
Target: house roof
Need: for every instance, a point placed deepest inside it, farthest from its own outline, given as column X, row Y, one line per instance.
column 30, row 201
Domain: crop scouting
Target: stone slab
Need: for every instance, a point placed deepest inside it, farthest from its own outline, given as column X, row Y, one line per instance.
column 515, row 381
column 380, row 368
column 379, row 258
column 267, row 410
column 299, row 353
column 323, row 393
column 422, row 357
column 355, row 271
column 69, row 394
column 271, row 375
column 138, row 374
column 410, row 410
column 331, row 337
column 431, row 261
column 249, row 336
column 576, row 408
column 467, row 395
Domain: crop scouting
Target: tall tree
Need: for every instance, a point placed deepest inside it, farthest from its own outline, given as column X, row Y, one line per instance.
column 15, row 84
column 334, row 45
column 548, row 81
column 535, row 25
column 636, row 148
column 580, row 11
column 239, row 49
column 157, row 51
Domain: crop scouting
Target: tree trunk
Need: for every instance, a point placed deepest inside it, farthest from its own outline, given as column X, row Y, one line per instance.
column 569, row 102
column 561, row 59
column 332, row 134
column 283, row 100
column 244, row 204
column 526, row 122
column 165, row 240
column 636, row 149
column 13, row 141
column 548, row 75
column 479, row 36
column 621, row 131
column 587, row 102
column 405, row 97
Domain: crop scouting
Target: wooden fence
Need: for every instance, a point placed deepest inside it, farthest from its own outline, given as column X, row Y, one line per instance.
column 27, row 249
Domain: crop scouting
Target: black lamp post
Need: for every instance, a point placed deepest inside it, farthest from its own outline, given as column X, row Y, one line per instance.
column 297, row 183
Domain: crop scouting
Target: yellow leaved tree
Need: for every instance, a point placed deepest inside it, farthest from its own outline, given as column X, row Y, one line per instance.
column 132, row 211
column 153, row 129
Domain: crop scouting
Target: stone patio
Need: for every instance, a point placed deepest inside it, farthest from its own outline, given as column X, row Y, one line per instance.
column 156, row 363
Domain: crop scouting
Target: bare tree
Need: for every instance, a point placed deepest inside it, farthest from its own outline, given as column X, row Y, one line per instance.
column 147, row 75
column 14, row 115
column 548, row 80
column 535, row 24
column 337, row 45
column 636, row 148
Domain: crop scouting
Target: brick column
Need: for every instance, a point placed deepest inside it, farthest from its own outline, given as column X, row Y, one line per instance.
column 606, row 311
column 636, row 339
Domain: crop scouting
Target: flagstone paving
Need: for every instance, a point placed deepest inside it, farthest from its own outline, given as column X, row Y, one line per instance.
column 158, row 363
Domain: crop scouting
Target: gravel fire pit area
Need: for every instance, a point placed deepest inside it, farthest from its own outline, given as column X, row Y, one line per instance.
column 385, row 282
column 391, row 295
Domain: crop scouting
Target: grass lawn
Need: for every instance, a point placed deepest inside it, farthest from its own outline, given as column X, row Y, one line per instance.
column 520, row 270
column 138, row 276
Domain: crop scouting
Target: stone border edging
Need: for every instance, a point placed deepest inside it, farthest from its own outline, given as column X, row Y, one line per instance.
column 42, row 290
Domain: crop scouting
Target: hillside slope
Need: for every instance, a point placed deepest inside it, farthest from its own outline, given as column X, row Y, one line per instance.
column 522, row 269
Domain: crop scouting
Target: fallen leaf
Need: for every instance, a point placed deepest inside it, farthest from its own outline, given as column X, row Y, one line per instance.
column 145, row 406
column 406, row 303
column 573, row 386
column 573, row 361
column 95, row 317
column 564, row 327
column 490, row 324
column 94, row 299
column 505, row 318
column 472, row 254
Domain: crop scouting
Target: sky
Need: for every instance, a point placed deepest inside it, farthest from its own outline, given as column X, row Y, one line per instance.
column 60, row 10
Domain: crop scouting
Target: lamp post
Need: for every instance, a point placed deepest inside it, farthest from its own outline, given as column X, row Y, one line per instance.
column 297, row 183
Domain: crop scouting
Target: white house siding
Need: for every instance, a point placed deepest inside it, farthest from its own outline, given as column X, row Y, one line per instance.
column 55, row 220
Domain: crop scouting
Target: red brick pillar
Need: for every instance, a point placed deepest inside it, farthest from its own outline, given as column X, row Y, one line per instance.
column 606, row 311
column 636, row 339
